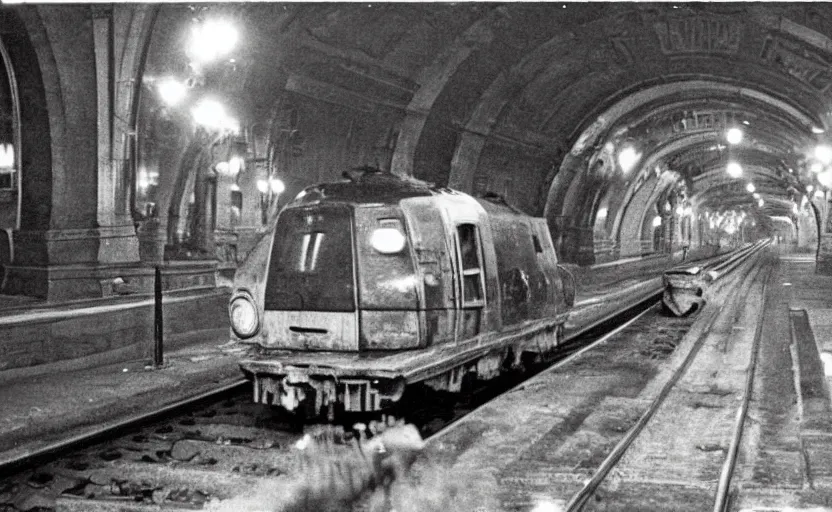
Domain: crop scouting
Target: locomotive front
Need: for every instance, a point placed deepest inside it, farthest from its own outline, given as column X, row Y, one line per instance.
column 339, row 279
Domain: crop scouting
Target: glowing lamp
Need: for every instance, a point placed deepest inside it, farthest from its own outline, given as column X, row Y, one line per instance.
column 235, row 165
column 750, row 188
column 734, row 136
column 172, row 91
column 276, row 186
column 824, row 154
column 657, row 221
column 262, row 186
column 734, row 169
column 825, row 178
column 211, row 114
column 211, row 40
column 387, row 240
column 6, row 156
column 627, row 158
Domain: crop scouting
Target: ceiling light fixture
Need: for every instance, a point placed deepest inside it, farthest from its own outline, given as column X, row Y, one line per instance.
column 627, row 158
column 734, row 136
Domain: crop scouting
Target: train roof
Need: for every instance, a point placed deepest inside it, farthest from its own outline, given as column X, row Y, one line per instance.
column 367, row 185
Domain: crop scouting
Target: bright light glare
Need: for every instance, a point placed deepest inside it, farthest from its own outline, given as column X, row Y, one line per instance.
column 825, row 178
column 235, row 165
column 172, row 91
column 211, row 114
column 819, row 193
column 734, row 136
column 817, row 130
column 760, row 202
column 810, row 188
column 276, row 185
column 795, row 209
column 602, row 213
column 6, row 156
column 627, row 158
column 750, row 188
column 816, row 167
column 824, row 154
column 657, row 221
column 547, row 505
column 680, row 210
column 734, row 169
column 387, row 240
column 826, row 359
column 262, row 186
column 212, row 40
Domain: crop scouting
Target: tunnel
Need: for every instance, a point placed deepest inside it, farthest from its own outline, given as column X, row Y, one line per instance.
column 137, row 136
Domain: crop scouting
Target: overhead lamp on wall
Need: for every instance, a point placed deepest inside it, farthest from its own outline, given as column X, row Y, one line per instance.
column 210, row 113
column 733, row 169
column 734, row 135
column 824, row 154
column 750, row 188
column 825, row 178
column 627, row 158
column 211, row 40
column 171, row 91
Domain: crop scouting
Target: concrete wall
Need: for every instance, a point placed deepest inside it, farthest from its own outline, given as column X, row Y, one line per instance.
column 122, row 327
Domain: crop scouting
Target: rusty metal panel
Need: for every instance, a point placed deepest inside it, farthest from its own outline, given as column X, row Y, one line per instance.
column 430, row 244
column 311, row 330
column 526, row 277
column 384, row 330
column 385, row 281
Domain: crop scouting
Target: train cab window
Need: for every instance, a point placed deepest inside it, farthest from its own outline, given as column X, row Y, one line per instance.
column 311, row 267
column 470, row 258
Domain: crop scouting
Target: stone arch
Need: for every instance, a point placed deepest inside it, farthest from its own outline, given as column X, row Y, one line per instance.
column 40, row 106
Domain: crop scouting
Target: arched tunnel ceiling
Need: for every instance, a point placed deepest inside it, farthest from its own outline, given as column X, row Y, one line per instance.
column 539, row 98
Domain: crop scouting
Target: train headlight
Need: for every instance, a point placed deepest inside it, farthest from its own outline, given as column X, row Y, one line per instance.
column 244, row 318
column 387, row 240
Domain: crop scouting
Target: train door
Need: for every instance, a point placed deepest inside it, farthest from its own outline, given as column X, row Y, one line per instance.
column 426, row 227
column 471, row 279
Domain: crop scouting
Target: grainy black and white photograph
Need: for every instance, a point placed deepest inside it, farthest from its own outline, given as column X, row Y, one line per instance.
column 414, row 256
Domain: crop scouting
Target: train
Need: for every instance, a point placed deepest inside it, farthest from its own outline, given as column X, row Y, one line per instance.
column 364, row 286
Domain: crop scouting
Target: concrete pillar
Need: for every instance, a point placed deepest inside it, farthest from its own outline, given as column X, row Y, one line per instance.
column 76, row 235
column 824, row 255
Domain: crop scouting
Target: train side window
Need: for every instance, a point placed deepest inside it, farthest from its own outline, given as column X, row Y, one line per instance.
column 470, row 258
column 537, row 247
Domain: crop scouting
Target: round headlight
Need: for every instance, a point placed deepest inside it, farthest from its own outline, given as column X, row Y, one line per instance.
column 387, row 240
column 243, row 315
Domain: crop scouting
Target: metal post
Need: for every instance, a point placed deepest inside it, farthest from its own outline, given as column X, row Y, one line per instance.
column 158, row 333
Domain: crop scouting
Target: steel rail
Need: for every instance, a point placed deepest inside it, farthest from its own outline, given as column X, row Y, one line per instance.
column 580, row 498
column 33, row 456
column 724, row 486
column 568, row 359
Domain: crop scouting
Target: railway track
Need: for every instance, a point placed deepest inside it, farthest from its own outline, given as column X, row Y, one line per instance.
column 717, row 319
column 191, row 453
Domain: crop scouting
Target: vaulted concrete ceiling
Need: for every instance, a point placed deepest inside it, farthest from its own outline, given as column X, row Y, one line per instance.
column 536, row 100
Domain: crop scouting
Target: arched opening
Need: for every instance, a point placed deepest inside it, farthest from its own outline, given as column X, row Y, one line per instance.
column 9, row 159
